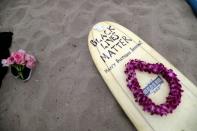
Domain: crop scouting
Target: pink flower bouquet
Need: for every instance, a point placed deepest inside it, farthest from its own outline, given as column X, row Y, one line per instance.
column 21, row 64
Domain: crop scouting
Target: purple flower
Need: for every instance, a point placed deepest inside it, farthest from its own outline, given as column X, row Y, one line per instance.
column 174, row 97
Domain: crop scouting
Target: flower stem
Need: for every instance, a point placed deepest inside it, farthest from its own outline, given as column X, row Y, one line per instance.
column 19, row 69
column 20, row 73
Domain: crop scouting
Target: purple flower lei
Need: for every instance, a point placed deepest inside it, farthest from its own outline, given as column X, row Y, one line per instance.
column 172, row 100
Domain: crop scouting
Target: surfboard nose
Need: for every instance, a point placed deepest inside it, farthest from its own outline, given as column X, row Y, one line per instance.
column 101, row 26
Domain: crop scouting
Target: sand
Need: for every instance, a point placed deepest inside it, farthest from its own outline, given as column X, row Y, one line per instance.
column 66, row 92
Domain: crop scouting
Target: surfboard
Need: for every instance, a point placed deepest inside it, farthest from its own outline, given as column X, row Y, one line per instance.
column 111, row 47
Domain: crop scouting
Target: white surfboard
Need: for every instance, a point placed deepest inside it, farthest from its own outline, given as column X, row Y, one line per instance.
column 112, row 46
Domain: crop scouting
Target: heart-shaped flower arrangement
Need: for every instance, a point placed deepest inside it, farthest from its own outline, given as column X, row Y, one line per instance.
column 172, row 100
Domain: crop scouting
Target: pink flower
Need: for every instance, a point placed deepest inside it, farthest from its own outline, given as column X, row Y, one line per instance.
column 4, row 62
column 22, row 51
column 7, row 62
column 30, row 64
column 10, row 60
column 31, row 61
column 19, row 57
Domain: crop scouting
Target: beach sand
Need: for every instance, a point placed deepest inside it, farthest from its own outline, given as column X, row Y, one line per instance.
column 66, row 92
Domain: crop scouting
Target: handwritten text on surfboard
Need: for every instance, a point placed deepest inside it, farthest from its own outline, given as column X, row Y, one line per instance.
column 111, row 42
